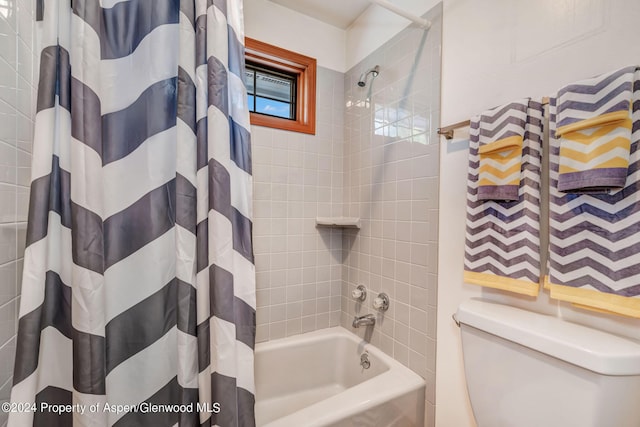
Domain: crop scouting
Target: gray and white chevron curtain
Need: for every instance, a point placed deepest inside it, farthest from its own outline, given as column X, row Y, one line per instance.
column 139, row 285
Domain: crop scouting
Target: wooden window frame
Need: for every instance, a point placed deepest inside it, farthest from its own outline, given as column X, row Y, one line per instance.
column 304, row 68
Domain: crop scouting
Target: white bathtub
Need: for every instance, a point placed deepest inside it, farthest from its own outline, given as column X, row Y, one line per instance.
column 315, row 379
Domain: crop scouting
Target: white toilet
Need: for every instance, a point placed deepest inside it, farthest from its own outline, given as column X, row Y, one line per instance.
column 525, row 369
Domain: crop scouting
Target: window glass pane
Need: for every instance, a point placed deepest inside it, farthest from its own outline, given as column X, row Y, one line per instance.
column 273, row 108
column 270, row 92
column 248, row 80
column 273, row 86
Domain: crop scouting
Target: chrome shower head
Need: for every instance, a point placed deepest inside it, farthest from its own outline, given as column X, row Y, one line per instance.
column 363, row 77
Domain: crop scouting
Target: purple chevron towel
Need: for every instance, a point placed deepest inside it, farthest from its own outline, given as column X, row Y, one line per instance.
column 593, row 255
column 593, row 127
column 502, row 246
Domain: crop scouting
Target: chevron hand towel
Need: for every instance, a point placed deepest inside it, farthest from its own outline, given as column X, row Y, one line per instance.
column 500, row 148
column 594, row 130
column 502, row 247
column 593, row 246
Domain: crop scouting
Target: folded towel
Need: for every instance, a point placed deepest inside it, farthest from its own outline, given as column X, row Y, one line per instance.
column 593, row 248
column 502, row 247
column 594, row 130
column 500, row 148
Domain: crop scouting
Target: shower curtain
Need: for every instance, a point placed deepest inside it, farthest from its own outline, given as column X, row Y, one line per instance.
column 138, row 297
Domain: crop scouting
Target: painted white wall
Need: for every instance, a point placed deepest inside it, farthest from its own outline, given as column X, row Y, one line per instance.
column 377, row 25
column 333, row 47
column 277, row 25
column 493, row 52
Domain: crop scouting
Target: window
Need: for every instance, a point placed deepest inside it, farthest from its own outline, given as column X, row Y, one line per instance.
column 271, row 92
column 281, row 87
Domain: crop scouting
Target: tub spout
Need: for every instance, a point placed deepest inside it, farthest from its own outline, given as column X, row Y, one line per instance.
column 366, row 320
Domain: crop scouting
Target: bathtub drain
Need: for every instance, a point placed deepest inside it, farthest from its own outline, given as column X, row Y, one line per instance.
column 364, row 360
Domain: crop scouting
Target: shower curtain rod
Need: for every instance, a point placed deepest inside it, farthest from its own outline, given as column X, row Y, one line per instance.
column 423, row 23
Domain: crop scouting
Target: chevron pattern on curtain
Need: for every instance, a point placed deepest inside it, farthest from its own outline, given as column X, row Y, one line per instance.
column 139, row 282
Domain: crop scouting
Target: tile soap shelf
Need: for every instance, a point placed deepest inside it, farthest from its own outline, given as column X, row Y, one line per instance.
column 338, row 222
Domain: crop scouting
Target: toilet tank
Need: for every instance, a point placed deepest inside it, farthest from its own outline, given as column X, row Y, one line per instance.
column 525, row 369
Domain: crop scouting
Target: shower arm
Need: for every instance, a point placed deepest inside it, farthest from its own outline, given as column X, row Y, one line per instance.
column 422, row 23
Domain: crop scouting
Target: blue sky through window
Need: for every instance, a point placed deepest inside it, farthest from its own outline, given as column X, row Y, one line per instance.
column 273, row 108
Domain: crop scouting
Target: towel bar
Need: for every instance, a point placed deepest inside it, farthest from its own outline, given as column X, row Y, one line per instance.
column 447, row 131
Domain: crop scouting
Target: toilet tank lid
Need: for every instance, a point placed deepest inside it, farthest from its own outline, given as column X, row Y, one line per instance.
column 589, row 348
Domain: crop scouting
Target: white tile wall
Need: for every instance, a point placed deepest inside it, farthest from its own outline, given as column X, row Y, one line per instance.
column 391, row 182
column 17, row 111
column 375, row 156
column 298, row 177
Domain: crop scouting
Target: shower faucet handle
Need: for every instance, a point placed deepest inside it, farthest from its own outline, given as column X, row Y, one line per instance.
column 381, row 302
column 359, row 293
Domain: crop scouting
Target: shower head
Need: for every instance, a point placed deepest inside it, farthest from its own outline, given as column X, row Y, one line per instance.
column 363, row 77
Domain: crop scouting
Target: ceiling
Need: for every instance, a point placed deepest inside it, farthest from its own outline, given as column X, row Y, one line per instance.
column 339, row 13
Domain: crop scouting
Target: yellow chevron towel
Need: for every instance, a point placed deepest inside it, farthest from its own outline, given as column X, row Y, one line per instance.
column 500, row 151
column 594, row 129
